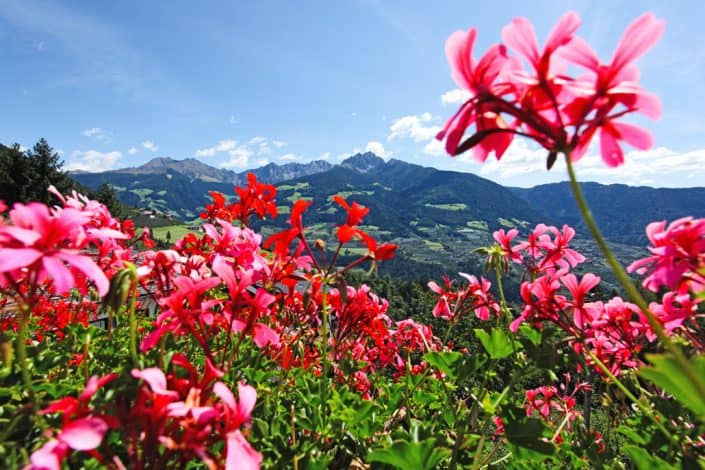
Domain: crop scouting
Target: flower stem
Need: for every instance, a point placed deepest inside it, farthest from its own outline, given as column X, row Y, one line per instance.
column 324, row 345
column 22, row 357
column 631, row 396
column 132, row 319
column 502, row 298
column 626, row 283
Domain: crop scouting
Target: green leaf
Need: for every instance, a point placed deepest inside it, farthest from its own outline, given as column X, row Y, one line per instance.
column 667, row 374
column 445, row 361
column 497, row 344
column 531, row 333
column 526, row 432
column 408, row 455
column 644, row 460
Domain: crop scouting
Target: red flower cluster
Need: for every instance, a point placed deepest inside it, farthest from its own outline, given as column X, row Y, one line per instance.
column 256, row 199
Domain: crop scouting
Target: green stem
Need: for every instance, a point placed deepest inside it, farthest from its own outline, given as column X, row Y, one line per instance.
column 626, row 283
column 324, row 344
column 502, row 298
column 22, row 357
column 631, row 396
column 132, row 319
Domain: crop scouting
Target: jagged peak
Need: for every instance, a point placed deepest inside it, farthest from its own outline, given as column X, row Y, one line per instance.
column 362, row 162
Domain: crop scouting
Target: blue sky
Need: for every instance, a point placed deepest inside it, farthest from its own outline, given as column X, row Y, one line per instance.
column 240, row 84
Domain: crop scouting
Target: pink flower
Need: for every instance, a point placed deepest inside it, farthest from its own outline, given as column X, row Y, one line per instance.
column 47, row 243
column 678, row 256
column 579, row 290
column 479, row 78
column 614, row 83
column 559, row 112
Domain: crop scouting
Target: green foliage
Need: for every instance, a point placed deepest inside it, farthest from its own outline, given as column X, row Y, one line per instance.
column 666, row 374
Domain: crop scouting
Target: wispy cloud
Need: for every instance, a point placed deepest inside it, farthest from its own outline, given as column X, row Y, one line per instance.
column 454, row 97
column 289, row 157
column 222, row 146
column 93, row 160
column 133, row 150
column 239, row 154
column 151, row 146
column 101, row 135
column 105, row 53
column 417, row 128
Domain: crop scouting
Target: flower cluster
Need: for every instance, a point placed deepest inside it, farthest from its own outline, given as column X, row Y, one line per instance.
column 562, row 113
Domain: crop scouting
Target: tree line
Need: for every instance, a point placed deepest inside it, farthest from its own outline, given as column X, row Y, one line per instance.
column 26, row 174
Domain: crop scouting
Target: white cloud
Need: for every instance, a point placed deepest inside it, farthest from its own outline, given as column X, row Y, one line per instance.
column 524, row 164
column 262, row 161
column 378, row 149
column 93, row 160
column 278, row 143
column 418, row 128
column 238, row 157
column 222, row 146
column 232, row 120
column 353, row 114
column 257, row 140
column 289, row 157
column 149, row 145
column 456, row 96
column 97, row 133
column 324, row 156
column 133, row 150
column 435, row 148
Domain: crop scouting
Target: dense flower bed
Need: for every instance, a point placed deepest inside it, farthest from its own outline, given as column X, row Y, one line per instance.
column 261, row 354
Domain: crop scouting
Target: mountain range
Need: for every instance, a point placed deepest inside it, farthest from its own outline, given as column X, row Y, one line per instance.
column 437, row 217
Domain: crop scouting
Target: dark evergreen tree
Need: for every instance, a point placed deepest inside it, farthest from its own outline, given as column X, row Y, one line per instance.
column 15, row 175
column 106, row 195
column 45, row 170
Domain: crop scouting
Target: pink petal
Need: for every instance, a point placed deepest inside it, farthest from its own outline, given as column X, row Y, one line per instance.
column 457, row 128
column 223, row 392
column 520, row 36
column 152, row 339
column 59, row 274
column 49, row 456
column 579, row 52
column 89, row 268
column 611, row 152
column 26, row 236
column 84, row 433
column 247, row 397
column 638, row 38
column 240, row 454
column 634, row 135
column 434, row 287
column 94, row 384
column 589, row 281
column 264, row 335
column 156, row 380
column 14, row 258
column 648, row 104
column 563, row 31
column 459, row 52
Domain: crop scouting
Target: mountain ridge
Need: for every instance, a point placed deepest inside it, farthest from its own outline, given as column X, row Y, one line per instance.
column 455, row 199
